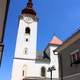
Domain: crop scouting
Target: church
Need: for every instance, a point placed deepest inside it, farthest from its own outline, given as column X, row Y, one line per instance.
column 28, row 63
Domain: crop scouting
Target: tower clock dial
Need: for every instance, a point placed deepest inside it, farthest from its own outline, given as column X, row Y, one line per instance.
column 28, row 19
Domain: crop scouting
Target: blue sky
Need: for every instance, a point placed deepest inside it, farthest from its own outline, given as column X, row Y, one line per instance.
column 56, row 17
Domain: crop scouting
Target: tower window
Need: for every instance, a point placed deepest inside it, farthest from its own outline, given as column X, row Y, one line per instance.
column 24, row 73
column 26, row 39
column 27, row 30
column 25, row 52
column 43, row 72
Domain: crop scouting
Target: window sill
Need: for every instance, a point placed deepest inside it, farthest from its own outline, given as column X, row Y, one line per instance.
column 76, row 62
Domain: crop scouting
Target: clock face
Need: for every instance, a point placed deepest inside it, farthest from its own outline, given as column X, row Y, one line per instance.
column 28, row 19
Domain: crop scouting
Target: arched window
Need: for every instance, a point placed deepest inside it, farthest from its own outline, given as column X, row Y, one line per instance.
column 27, row 30
column 43, row 72
column 24, row 71
column 25, row 50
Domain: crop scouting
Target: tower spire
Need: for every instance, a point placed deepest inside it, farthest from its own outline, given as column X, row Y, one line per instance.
column 29, row 4
column 29, row 9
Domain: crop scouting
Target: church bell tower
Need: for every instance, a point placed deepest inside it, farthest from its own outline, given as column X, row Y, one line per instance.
column 25, row 50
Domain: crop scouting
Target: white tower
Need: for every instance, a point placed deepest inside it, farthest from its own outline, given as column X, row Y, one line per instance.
column 25, row 51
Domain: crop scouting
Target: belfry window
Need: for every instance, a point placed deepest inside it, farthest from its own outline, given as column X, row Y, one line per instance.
column 26, row 39
column 43, row 72
column 27, row 30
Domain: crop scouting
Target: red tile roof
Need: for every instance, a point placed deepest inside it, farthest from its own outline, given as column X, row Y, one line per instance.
column 56, row 41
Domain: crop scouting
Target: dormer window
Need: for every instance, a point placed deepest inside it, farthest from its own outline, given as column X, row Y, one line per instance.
column 27, row 30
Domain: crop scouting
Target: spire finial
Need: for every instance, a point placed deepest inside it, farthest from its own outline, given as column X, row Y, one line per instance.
column 30, row 0
column 29, row 4
column 29, row 9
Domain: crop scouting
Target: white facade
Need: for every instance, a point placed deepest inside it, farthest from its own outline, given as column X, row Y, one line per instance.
column 25, row 64
column 33, row 69
column 54, row 61
column 22, row 44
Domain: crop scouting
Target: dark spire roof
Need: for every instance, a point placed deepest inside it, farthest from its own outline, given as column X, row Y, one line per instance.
column 29, row 8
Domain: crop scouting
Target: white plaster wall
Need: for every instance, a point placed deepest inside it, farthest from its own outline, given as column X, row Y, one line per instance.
column 54, row 61
column 33, row 70
column 21, row 43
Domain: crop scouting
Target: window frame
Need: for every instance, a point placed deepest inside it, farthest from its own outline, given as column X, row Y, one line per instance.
column 27, row 30
column 43, row 71
column 75, row 57
column 24, row 72
column 25, row 51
